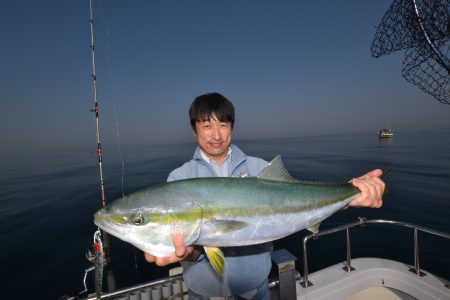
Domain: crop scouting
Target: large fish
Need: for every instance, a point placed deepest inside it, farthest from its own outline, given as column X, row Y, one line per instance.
column 223, row 211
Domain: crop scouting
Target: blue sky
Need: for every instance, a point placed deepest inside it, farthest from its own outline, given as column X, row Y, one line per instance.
column 291, row 68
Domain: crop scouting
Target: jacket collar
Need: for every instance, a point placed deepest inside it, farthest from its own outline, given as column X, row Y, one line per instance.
column 237, row 156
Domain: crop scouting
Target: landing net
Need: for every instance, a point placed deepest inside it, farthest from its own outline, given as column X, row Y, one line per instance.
column 422, row 29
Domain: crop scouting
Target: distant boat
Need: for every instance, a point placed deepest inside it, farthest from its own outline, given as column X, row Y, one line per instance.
column 385, row 133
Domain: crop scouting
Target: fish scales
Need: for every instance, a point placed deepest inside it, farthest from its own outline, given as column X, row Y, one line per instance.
column 245, row 194
column 272, row 208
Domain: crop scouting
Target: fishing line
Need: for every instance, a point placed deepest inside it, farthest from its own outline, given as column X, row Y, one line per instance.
column 388, row 170
column 114, row 98
column 116, row 117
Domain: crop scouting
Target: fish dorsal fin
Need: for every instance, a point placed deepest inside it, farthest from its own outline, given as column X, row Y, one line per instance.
column 276, row 170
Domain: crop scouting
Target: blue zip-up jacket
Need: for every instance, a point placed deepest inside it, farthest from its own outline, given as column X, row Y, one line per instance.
column 246, row 267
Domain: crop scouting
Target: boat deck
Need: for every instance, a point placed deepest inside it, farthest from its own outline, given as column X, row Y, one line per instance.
column 373, row 278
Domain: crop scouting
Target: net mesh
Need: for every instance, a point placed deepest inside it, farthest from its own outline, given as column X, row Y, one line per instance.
column 422, row 29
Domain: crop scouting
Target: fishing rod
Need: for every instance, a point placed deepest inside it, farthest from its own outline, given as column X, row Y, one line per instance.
column 106, row 239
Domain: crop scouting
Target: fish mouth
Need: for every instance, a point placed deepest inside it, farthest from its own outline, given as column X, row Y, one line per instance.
column 108, row 223
column 102, row 222
column 101, row 218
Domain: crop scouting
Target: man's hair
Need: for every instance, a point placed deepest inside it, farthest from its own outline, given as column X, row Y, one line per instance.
column 207, row 105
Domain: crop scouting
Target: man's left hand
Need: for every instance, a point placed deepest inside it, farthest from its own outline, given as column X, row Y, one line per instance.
column 372, row 189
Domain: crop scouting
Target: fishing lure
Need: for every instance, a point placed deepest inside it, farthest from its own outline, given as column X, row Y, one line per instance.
column 96, row 255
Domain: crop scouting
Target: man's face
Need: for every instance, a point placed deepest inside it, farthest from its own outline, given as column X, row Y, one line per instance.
column 214, row 137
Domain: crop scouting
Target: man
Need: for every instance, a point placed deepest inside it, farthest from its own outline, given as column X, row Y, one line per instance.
column 247, row 267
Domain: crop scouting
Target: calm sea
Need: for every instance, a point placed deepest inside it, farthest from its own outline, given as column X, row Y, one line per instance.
column 47, row 201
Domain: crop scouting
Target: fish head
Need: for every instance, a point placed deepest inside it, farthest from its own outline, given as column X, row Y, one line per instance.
column 150, row 227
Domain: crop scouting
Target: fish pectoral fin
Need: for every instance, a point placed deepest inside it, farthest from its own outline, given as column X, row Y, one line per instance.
column 216, row 258
column 314, row 228
column 227, row 226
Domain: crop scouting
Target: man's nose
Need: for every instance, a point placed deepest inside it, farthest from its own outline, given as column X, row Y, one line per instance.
column 216, row 132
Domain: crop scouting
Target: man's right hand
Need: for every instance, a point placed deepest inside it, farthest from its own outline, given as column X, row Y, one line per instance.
column 182, row 252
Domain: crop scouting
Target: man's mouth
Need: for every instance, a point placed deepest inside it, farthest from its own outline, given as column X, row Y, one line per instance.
column 216, row 144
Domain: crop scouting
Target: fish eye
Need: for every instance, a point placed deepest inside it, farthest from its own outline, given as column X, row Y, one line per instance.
column 137, row 219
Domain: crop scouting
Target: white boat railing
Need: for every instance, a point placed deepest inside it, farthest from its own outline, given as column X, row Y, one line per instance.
column 282, row 287
column 362, row 221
